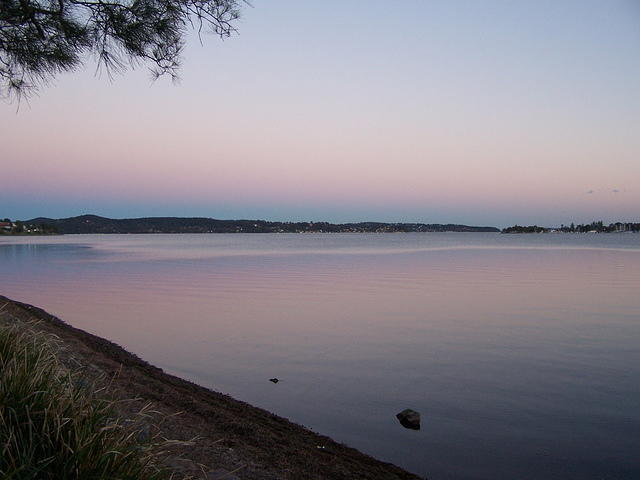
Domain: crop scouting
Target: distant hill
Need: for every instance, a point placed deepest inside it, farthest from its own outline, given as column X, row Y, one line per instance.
column 96, row 224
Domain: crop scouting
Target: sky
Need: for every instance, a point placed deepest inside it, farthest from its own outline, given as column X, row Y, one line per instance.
column 482, row 113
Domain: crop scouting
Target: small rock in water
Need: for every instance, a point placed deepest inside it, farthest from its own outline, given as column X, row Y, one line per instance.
column 409, row 419
column 274, row 380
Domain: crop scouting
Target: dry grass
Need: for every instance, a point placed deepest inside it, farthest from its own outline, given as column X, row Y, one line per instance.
column 54, row 425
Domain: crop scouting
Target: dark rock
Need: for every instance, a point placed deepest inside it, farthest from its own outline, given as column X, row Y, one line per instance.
column 274, row 380
column 409, row 419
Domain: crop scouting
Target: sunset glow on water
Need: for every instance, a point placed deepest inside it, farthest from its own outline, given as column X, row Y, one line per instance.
column 519, row 351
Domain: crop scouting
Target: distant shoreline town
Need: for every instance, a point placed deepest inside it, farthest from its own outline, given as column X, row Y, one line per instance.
column 93, row 224
column 593, row 227
column 17, row 227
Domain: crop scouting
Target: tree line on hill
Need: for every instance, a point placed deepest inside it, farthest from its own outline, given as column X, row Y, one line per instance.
column 593, row 227
column 96, row 224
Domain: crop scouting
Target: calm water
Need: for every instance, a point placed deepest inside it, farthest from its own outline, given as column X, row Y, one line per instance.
column 521, row 352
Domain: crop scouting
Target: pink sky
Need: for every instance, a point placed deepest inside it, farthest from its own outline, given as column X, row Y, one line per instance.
column 353, row 127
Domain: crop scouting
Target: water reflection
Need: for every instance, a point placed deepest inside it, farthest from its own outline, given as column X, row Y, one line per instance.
column 521, row 355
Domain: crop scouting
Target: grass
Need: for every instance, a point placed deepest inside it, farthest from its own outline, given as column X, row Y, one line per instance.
column 54, row 426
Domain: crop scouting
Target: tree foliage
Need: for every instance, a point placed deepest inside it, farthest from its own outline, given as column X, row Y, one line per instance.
column 41, row 38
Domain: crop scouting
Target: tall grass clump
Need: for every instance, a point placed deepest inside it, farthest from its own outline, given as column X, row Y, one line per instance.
column 52, row 427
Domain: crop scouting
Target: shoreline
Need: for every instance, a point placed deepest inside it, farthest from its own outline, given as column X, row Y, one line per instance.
column 233, row 439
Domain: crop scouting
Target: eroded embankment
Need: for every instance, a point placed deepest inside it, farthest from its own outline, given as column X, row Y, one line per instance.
column 232, row 439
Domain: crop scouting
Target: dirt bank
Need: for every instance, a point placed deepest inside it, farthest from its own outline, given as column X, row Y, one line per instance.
column 234, row 440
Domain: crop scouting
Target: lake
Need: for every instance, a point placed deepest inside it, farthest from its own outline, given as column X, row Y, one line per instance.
column 521, row 352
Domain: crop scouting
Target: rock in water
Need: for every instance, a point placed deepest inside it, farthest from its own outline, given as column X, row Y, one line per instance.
column 274, row 380
column 409, row 419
